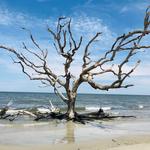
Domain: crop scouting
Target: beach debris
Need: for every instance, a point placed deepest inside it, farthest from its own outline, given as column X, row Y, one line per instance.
column 52, row 112
column 114, row 140
column 44, row 115
column 53, row 108
column 47, row 114
column 12, row 112
column 4, row 110
column 27, row 113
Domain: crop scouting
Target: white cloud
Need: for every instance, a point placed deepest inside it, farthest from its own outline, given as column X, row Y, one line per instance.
column 135, row 6
column 124, row 9
column 141, row 70
column 88, row 26
column 9, row 66
column 88, row 2
column 8, row 17
column 81, row 25
column 141, row 5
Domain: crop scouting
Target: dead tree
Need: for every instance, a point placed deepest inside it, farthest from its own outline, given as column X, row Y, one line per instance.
column 67, row 46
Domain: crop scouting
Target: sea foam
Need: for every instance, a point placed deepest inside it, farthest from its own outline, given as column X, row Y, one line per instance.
column 90, row 108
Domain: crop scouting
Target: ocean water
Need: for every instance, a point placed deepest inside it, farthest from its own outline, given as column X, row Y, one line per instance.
column 137, row 105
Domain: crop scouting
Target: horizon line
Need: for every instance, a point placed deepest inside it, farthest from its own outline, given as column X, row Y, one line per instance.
column 77, row 93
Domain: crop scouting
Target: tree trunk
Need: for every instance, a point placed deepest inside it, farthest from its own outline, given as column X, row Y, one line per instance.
column 71, row 109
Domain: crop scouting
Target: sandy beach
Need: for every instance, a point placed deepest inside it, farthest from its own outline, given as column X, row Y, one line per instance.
column 74, row 75
column 121, row 143
column 109, row 135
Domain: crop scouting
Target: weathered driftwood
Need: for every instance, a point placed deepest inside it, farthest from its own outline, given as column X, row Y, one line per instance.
column 67, row 47
column 4, row 115
column 51, row 112
column 3, row 111
column 82, row 118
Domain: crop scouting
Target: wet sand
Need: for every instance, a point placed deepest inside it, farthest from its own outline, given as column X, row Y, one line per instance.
column 69, row 136
column 120, row 143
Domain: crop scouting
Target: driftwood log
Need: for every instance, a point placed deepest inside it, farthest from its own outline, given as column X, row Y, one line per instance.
column 81, row 118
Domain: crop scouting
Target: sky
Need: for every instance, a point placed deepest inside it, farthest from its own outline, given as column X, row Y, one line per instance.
column 111, row 17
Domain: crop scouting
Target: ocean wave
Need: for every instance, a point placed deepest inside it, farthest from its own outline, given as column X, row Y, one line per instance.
column 89, row 108
column 43, row 110
column 140, row 106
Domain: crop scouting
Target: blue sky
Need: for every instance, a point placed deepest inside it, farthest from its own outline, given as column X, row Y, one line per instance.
column 112, row 17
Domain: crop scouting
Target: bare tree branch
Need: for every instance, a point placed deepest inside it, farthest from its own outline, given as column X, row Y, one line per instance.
column 86, row 58
column 67, row 45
